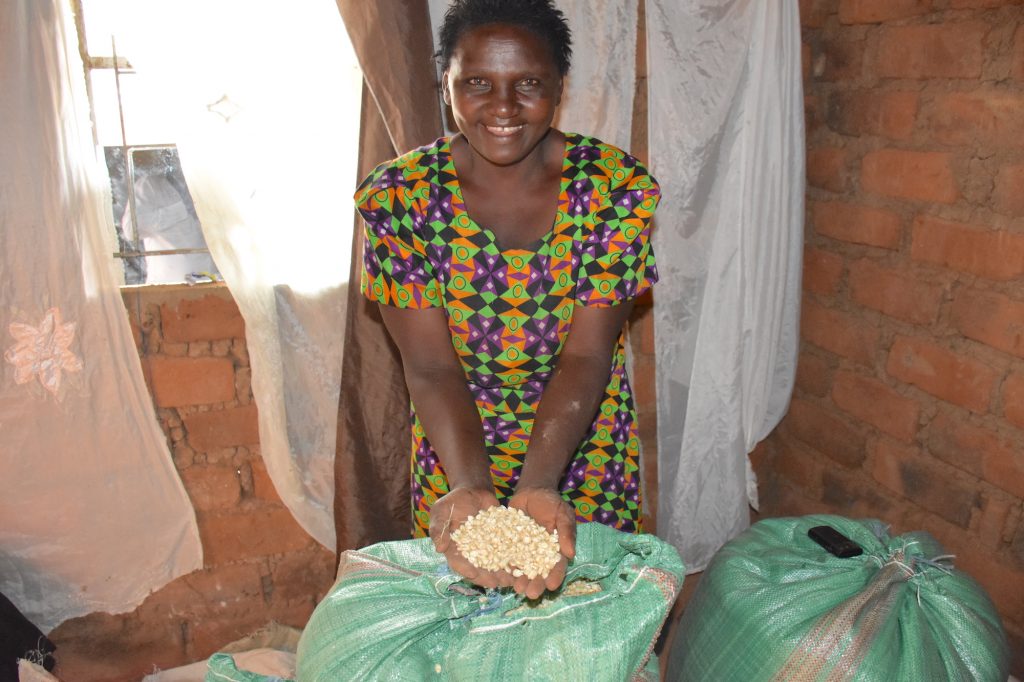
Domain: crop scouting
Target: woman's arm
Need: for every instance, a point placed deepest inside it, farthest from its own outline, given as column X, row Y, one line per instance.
column 567, row 409
column 445, row 407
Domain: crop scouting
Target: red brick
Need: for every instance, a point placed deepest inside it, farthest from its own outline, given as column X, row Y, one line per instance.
column 826, row 432
column 993, row 319
column 813, row 117
column 191, row 381
column 991, row 118
column 943, row 373
column 798, row 465
column 982, row 4
column 227, row 622
column 857, row 224
column 873, row 402
column 204, row 319
column 989, row 455
column 903, row 470
column 918, row 176
column 125, row 657
column 813, row 375
column 1017, row 69
column 995, row 513
column 894, row 293
column 197, row 593
column 1002, row 584
column 225, row 428
column 212, row 487
column 250, row 533
column 993, row 254
column 1013, row 399
column 870, row 112
column 1017, row 546
column 945, row 50
column 303, row 574
column 875, row 11
column 844, row 58
column 1008, row 196
column 813, row 13
column 826, row 168
column 822, row 271
column 294, row 613
column 839, row 332
column 853, row 495
column 263, row 485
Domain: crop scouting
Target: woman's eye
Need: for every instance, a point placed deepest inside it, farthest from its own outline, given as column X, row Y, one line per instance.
column 477, row 82
column 529, row 83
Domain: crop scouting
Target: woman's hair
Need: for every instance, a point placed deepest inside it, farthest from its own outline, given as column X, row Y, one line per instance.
column 540, row 17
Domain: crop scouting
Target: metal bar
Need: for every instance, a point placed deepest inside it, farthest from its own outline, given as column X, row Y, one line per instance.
column 129, row 167
column 162, row 252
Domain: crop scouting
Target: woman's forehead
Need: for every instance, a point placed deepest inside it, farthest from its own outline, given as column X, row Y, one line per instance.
column 498, row 43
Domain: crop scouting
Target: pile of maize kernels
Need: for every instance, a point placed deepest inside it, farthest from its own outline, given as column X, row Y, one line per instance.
column 506, row 539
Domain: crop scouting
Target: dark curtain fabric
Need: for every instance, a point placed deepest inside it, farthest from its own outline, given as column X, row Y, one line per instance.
column 400, row 111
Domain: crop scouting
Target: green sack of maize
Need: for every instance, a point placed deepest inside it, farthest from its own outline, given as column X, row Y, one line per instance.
column 221, row 667
column 773, row 604
column 398, row 613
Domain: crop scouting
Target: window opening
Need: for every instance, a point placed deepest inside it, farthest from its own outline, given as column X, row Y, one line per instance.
column 159, row 235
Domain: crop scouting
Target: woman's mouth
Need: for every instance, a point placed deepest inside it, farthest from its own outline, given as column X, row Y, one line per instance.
column 504, row 131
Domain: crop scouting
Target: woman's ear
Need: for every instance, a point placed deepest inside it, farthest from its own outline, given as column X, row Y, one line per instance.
column 445, row 92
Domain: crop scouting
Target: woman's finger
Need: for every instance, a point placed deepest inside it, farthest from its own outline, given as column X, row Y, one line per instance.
column 556, row 576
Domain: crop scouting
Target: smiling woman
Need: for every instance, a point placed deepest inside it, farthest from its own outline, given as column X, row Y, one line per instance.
column 505, row 260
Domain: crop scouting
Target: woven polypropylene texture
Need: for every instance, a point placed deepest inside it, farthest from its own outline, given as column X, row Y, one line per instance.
column 774, row 605
column 398, row 613
column 222, row 668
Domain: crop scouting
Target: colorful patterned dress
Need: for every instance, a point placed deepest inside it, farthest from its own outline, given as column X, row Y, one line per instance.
column 509, row 312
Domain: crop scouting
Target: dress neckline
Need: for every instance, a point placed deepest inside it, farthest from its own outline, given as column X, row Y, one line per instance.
column 459, row 207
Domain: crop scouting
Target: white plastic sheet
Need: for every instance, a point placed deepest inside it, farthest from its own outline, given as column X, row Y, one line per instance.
column 726, row 124
column 264, row 107
column 93, row 515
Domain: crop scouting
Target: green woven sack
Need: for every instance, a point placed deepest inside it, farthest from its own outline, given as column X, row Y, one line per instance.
column 222, row 668
column 398, row 613
column 774, row 605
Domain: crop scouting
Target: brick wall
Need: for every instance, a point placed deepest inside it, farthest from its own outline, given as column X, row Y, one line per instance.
column 909, row 404
column 259, row 565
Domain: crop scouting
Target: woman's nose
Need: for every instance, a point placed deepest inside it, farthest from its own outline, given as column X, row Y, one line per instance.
column 503, row 101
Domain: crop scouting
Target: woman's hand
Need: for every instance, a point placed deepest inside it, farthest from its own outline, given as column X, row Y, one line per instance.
column 450, row 512
column 546, row 507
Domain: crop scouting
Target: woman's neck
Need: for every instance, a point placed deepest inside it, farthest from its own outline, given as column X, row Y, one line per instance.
column 536, row 166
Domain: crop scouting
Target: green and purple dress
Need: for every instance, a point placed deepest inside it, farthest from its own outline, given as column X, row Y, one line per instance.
column 509, row 311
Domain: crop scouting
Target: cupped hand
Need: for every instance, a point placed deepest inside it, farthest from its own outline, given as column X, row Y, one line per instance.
column 450, row 512
column 546, row 507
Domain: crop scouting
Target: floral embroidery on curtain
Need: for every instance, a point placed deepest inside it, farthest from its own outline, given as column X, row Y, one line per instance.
column 43, row 352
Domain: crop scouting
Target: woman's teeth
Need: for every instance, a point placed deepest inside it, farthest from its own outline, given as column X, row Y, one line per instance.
column 504, row 130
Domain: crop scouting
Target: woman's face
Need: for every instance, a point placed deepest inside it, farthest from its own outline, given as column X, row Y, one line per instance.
column 503, row 87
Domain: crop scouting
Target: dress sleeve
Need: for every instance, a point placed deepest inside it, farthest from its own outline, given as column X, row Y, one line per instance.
column 617, row 261
column 396, row 269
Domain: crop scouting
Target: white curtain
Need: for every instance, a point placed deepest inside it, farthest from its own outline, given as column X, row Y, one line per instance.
column 598, row 96
column 263, row 102
column 726, row 124
column 93, row 515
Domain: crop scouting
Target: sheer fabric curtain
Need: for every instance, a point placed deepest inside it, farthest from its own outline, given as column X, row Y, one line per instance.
column 93, row 515
column 726, row 112
column 263, row 100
